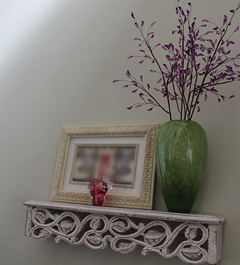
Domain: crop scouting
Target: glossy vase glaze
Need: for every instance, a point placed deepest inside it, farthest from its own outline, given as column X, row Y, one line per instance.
column 181, row 160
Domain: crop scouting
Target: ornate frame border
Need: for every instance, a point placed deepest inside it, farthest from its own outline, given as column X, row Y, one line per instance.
column 143, row 200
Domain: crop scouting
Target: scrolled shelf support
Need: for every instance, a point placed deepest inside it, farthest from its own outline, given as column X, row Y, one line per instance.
column 195, row 239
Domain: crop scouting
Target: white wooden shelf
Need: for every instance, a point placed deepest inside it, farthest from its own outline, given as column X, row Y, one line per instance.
column 195, row 239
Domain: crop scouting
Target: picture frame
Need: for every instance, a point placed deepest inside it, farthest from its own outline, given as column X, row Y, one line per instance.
column 131, row 152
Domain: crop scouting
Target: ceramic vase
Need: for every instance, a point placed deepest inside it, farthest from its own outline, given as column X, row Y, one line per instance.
column 181, row 157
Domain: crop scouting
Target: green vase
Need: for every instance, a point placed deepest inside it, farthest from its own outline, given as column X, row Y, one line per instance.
column 181, row 160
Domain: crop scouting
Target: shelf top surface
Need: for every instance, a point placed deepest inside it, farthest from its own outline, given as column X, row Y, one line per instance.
column 126, row 212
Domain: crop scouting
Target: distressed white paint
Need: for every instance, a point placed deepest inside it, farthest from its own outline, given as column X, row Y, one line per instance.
column 198, row 237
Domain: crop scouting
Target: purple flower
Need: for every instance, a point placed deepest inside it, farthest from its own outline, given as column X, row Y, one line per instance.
column 197, row 65
column 224, row 19
column 237, row 29
column 230, row 42
column 168, row 57
column 164, row 92
column 153, row 23
column 147, row 56
column 141, row 95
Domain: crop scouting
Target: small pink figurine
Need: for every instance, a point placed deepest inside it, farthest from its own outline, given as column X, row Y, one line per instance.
column 99, row 187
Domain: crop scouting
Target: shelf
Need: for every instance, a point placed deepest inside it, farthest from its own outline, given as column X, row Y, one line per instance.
column 195, row 239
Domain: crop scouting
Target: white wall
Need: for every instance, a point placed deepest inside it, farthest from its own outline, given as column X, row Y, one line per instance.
column 57, row 62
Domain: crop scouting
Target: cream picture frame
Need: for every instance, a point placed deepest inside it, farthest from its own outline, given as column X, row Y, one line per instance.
column 141, row 137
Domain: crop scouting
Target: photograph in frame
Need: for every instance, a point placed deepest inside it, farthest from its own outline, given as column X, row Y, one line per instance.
column 120, row 161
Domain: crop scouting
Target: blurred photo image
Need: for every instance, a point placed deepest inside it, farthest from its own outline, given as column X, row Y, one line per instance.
column 116, row 163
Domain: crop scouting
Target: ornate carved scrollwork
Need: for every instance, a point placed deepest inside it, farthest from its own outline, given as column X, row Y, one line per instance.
column 123, row 234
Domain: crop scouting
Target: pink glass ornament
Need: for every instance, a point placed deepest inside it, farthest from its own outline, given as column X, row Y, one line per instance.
column 99, row 187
